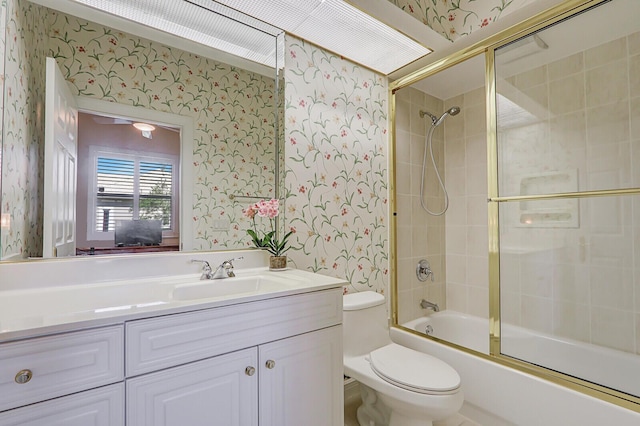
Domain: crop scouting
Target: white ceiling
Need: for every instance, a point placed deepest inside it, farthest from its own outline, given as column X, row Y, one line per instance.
column 338, row 27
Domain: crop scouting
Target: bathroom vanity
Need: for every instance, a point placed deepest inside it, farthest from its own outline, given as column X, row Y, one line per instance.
column 194, row 354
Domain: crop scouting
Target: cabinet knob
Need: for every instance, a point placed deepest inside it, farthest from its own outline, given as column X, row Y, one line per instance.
column 23, row 376
column 270, row 363
column 249, row 371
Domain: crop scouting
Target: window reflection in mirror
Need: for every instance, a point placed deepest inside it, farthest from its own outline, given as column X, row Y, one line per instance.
column 128, row 186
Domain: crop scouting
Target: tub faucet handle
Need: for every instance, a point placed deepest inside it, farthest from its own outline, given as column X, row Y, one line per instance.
column 423, row 270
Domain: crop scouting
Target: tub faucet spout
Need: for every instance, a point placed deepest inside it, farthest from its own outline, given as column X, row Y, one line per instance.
column 425, row 304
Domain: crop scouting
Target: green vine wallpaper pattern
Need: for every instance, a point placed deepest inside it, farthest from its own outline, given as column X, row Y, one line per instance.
column 336, row 166
column 456, row 18
column 22, row 163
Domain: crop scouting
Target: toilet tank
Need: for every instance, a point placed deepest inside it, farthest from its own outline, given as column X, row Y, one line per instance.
column 365, row 326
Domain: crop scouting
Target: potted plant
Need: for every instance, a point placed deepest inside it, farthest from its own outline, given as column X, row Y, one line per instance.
column 267, row 240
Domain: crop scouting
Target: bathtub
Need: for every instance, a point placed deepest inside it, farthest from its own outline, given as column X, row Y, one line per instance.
column 496, row 395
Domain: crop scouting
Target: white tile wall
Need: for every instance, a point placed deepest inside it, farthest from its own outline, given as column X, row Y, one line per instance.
column 419, row 235
column 579, row 281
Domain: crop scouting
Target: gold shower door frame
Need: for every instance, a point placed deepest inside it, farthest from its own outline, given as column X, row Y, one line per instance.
column 488, row 46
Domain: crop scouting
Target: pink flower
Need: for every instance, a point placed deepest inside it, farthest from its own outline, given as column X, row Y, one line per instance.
column 343, row 133
column 301, row 103
column 267, row 208
column 250, row 211
column 293, row 53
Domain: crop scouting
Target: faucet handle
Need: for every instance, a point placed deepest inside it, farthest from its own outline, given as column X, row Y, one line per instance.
column 206, row 268
column 232, row 260
column 423, row 270
column 227, row 265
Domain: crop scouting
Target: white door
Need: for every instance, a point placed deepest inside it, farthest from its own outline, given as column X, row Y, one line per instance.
column 301, row 380
column 219, row 391
column 60, row 164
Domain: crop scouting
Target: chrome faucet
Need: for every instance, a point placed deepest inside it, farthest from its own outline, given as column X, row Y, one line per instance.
column 206, row 269
column 225, row 269
column 425, row 304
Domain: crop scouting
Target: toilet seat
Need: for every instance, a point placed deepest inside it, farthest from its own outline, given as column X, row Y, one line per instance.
column 414, row 371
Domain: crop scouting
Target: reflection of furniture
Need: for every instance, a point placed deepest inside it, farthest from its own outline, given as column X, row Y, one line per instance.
column 84, row 251
column 138, row 232
column 269, row 362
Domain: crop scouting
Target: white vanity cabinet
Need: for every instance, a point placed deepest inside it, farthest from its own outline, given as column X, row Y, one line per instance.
column 222, row 390
column 275, row 362
column 97, row 407
column 48, row 367
column 268, row 362
column 290, row 382
column 301, row 380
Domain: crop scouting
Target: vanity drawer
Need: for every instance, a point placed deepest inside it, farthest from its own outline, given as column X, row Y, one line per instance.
column 97, row 407
column 157, row 343
column 57, row 365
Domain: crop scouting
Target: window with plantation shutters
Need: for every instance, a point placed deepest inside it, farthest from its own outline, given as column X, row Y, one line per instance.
column 129, row 186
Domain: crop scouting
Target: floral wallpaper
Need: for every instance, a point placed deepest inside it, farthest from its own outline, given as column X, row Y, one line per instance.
column 336, row 166
column 23, row 129
column 456, row 18
column 232, row 109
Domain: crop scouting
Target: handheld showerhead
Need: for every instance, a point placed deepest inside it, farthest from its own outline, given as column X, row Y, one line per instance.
column 454, row 110
column 435, row 121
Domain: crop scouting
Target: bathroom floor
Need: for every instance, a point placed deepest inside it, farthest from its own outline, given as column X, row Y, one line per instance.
column 455, row 420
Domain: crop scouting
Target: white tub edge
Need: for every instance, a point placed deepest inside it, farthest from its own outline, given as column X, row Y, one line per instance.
column 517, row 398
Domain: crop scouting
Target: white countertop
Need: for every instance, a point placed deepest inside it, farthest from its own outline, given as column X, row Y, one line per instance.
column 35, row 310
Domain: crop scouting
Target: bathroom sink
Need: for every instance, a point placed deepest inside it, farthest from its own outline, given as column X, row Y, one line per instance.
column 230, row 286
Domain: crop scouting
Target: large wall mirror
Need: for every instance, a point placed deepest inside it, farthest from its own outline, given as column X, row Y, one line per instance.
column 204, row 77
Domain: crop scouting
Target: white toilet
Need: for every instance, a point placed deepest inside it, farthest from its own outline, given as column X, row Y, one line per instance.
column 399, row 386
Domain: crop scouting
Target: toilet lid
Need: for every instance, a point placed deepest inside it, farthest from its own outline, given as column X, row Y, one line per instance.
column 413, row 370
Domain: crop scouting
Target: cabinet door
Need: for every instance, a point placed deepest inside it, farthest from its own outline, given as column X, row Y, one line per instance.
column 219, row 391
column 98, row 407
column 301, row 380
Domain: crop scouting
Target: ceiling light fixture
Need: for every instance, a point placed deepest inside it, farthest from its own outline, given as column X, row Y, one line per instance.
column 338, row 27
column 144, row 127
column 206, row 22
